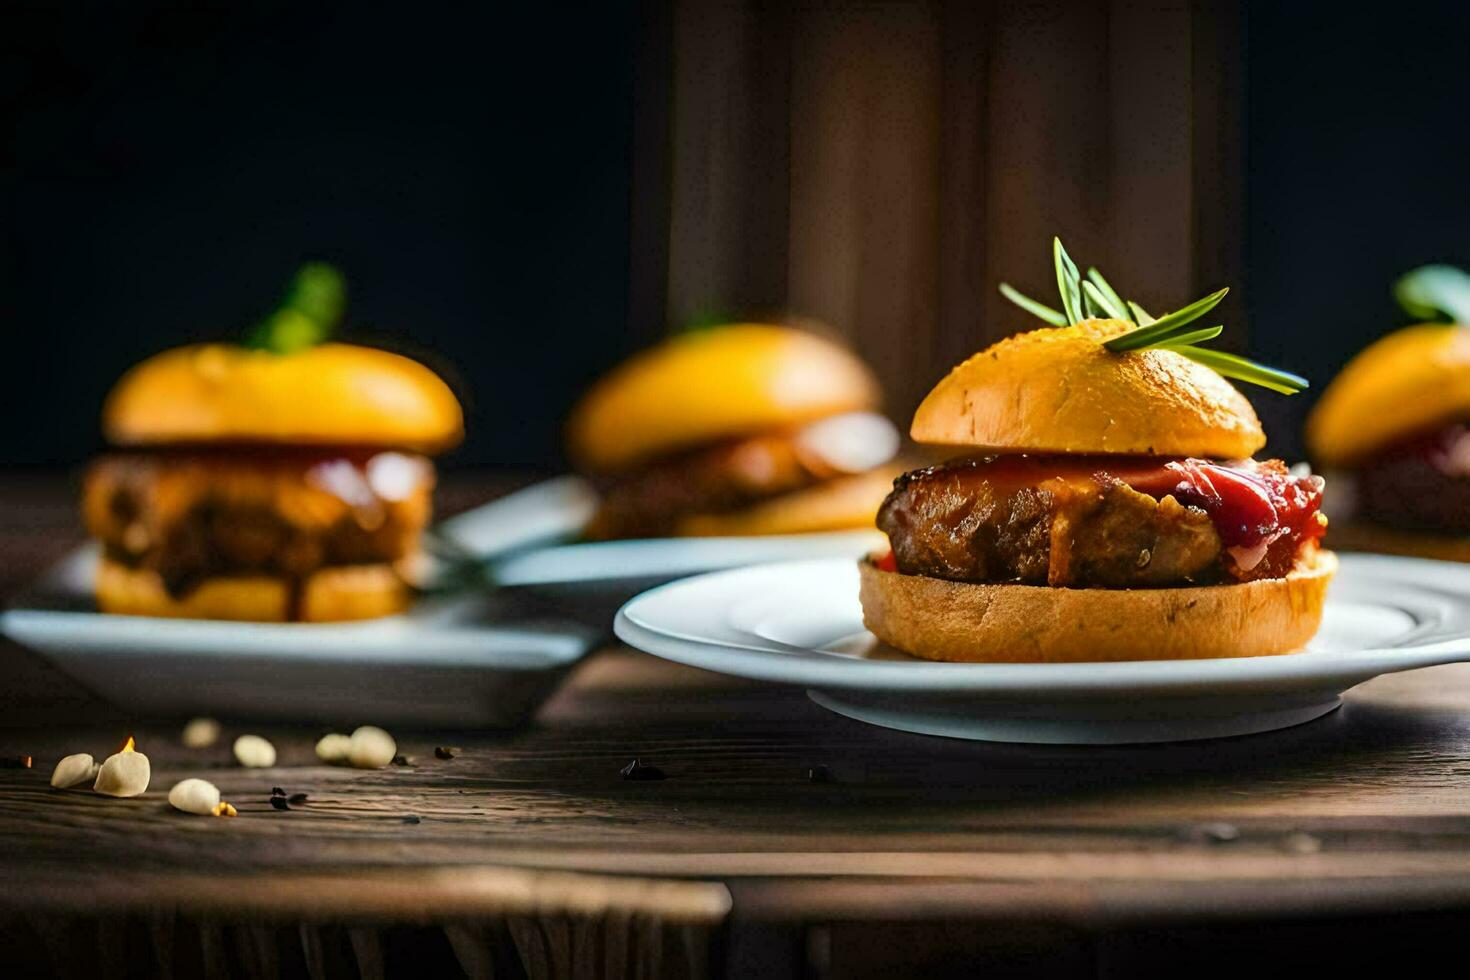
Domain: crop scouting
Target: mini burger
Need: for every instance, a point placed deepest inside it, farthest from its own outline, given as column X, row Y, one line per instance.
column 743, row 429
column 285, row 480
column 1103, row 503
column 1394, row 426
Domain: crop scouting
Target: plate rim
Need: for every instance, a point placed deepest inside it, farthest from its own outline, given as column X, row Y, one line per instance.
column 818, row 669
column 432, row 634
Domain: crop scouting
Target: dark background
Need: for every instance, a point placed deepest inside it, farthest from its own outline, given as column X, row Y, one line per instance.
column 1358, row 169
column 163, row 171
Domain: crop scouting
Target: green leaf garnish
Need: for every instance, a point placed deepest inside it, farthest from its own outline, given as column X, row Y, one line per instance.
column 1242, row 369
column 1104, row 302
column 1157, row 333
column 1039, row 310
column 1193, row 337
column 1090, row 306
column 1116, row 305
column 707, row 318
column 1434, row 292
column 309, row 313
column 1067, row 282
column 1095, row 297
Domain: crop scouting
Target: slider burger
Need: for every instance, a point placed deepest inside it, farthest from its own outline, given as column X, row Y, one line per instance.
column 1395, row 426
column 742, row 429
column 286, row 480
column 1103, row 504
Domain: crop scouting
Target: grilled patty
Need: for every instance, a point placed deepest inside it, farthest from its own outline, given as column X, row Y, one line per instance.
column 1422, row 484
column 952, row 522
column 655, row 500
column 192, row 516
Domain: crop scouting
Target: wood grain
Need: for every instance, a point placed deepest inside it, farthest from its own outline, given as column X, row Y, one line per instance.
column 864, row 183
column 728, row 193
column 1379, row 786
column 882, row 167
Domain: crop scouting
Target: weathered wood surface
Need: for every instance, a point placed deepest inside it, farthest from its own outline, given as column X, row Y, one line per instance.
column 1363, row 812
column 1380, row 788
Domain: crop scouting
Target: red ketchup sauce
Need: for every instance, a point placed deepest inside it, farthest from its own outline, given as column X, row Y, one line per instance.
column 1250, row 503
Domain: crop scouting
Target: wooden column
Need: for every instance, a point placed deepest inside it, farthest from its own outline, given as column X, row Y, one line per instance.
column 882, row 166
column 865, row 93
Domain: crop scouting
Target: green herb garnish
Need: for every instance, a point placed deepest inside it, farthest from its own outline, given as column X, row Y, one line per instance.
column 708, row 318
column 309, row 313
column 1093, row 297
column 1435, row 293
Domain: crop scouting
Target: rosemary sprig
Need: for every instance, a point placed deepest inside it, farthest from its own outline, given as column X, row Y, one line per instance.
column 1434, row 292
column 1158, row 333
column 308, row 314
column 1110, row 305
column 1116, row 305
column 1094, row 297
column 1241, row 369
column 1039, row 310
column 1067, row 282
column 1194, row 337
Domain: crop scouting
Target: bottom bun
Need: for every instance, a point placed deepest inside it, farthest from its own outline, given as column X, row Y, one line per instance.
column 330, row 595
column 957, row 621
column 843, row 503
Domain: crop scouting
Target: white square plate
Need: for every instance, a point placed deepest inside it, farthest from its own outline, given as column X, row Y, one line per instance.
column 466, row 662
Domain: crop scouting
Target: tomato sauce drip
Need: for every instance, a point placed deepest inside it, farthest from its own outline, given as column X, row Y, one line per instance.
column 1250, row 503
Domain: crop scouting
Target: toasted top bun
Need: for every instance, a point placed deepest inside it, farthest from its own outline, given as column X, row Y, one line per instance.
column 1058, row 390
column 333, row 394
column 715, row 384
column 1413, row 379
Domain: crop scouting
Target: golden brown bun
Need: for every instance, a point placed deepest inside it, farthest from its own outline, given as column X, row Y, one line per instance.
column 708, row 385
column 329, row 595
column 839, row 504
column 331, row 395
column 1058, row 390
column 1413, row 379
column 956, row 621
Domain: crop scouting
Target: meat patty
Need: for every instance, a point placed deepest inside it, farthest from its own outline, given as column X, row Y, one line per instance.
column 191, row 516
column 1422, row 484
column 655, row 501
column 956, row 523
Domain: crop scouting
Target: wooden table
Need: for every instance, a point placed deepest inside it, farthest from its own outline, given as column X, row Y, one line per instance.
column 528, row 854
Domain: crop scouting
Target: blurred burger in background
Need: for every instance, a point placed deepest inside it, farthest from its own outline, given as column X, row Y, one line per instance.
column 286, row 479
column 736, row 429
column 1395, row 425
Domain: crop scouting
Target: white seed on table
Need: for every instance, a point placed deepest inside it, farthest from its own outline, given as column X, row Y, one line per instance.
column 124, row 774
column 74, row 770
column 200, row 733
column 195, row 796
column 254, row 752
column 333, row 748
column 371, row 748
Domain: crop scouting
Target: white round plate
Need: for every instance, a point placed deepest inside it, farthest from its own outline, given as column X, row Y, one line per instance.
column 663, row 559
column 800, row 623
